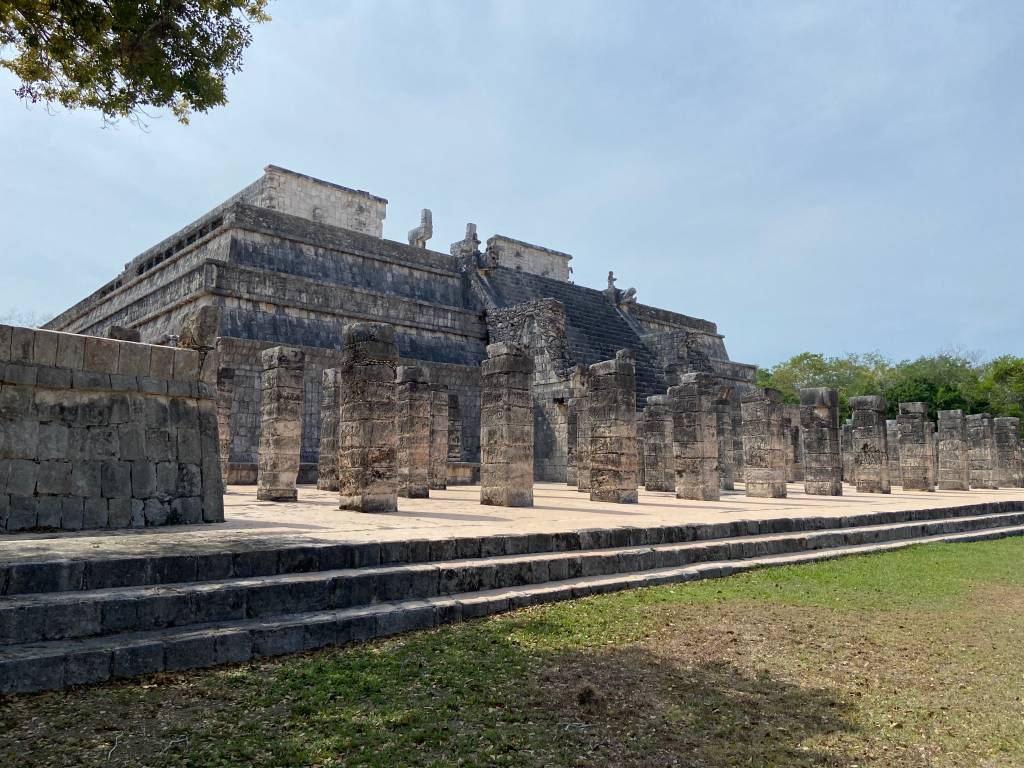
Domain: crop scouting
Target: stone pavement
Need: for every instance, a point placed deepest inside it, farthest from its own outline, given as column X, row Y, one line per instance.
column 315, row 518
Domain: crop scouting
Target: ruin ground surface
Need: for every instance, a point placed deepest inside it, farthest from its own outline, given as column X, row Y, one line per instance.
column 910, row 658
column 315, row 518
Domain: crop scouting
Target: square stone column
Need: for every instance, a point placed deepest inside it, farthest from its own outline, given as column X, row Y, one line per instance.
column 933, row 447
column 572, row 438
column 847, row 468
column 794, row 446
column 280, row 423
column 367, row 428
column 981, row 450
column 819, row 423
column 330, row 415
column 915, row 450
column 660, row 473
column 641, row 466
column 454, row 428
column 723, row 429
column 413, row 402
column 611, row 410
column 738, row 466
column 1009, row 472
column 506, row 427
column 580, row 379
column 954, row 474
column 695, row 437
column 225, row 397
column 870, row 446
column 764, row 444
column 438, row 470
column 893, row 441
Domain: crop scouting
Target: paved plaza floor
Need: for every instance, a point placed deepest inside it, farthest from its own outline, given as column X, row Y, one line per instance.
column 315, row 518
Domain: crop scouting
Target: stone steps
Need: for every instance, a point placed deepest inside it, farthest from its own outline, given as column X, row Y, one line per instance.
column 55, row 664
column 161, row 566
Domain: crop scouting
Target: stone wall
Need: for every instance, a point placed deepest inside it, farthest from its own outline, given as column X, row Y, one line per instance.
column 98, row 433
column 524, row 257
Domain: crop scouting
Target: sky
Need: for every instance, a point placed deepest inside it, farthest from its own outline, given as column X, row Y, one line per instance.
column 831, row 177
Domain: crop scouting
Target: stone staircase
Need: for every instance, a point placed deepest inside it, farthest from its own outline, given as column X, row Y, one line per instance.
column 70, row 622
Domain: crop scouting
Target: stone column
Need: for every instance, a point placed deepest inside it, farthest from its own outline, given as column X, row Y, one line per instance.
column 657, row 435
column 870, row 448
column 893, row 441
column 506, row 427
column 1007, row 449
column 641, row 465
column 819, row 422
column 454, row 428
column 611, row 410
column 695, row 437
column 981, row 450
column 572, row 439
column 764, row 445
column 846, row 453
column 367, row 430
column 954, row 474
column 933, row 449
column 330, row 414
column 915, row 452
column 794, row 445
column 580, row 379
column 225, row 396
column 738, row 467
column 413, row 403
column 723, row 428
column 438, row 471
column 280, row 423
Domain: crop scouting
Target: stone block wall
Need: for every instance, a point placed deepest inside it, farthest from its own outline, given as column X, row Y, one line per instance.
column 98, row 433
column 525, row 257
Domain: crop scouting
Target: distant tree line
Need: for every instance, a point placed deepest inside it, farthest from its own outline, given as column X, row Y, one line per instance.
column 945, row 381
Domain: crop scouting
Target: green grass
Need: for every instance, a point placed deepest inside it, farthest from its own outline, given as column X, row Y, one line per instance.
column 908, row 658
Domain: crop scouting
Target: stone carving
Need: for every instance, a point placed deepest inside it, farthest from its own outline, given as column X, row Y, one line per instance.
column 468, row 248
column 121, row 333
column 330, row 417
column 738, row 470
column 414, row 400
column 454, row 428
column 367, row 430
column 794, row 446
column 819, row 422
column 659, row 460
column 1007, row 449
column 892, row 439
column 764, row 444
column 641, row 466
column 506, row 427
column 870, row 447
column 954, row 473
column 695, row 437
column 981, row 450
column 617, row 297
column 438, row 466
column 418, row 236
column 933, row 450
column 580, row 385
column 199, row 332
column 572, row 440
column 846, row 453
column 916, row 460
column 225, row 395
column 723, row 429
column 280, row 423
column 611, row 409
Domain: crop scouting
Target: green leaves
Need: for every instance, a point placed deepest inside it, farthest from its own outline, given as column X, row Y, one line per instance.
column 121, row 56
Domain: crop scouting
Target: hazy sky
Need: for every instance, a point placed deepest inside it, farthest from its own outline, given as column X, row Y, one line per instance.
column 836, row 177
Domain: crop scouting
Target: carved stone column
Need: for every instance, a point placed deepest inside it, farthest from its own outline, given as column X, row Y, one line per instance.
column 915, row 452
column 981, row 450
column 764, row 444
column 893, row 441
column 280, row 423
column 1007, row 448
column 413, row 402
column 870, row 448
column 819, row 421
column 506, row 427
column 572, row 441
column 659, row 462
column 723, row 429
column 438, row 471
column 611, row 407
column 454, row 428
column 954, row 472
column 695, row 437
column 225, row 396
column 367, row 428
column 330, row 413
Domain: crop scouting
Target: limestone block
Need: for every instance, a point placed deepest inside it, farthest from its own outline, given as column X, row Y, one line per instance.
column 656, row 431
column 506, row 427
column 870, row 444
column 695, row 437
column 367, row 429
column 954, row 468
column 893, row 442
column 330, row 415
column 225, row 397
column 981, row 450
column 1009, row 472
column 819, row 423
column 611, row 422
column 764, row 444
column 438, row 465
column 454, row 428
column 280, row 423
column 916, row 455
column 572, row 439
column 414, row 406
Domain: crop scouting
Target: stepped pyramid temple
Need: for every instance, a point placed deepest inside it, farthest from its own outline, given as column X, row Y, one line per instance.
column 291, row 259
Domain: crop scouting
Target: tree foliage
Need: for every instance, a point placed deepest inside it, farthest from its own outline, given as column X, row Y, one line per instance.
column 120, row 56
column 945, row 381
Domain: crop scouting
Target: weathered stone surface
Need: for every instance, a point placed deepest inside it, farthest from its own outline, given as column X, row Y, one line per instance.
column 506, row 427
column 723, row 428
column 819, row 422
column 659, row 460
column 225, row 396
column 870, row 444
column 280, row 423
column 695, row 437
column 438, row 466
column 764, row 444
column 846, row 452
column 330, row 417
column 580, row 384
column 981, row 450
column 454, row 428
column 611, row 410
column 916, row 454
column 572, row 441
column 932, row 443
column 954, row 473
column 892, row 435
column 367, row 430
column 1009, row 468
column 414, row 403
